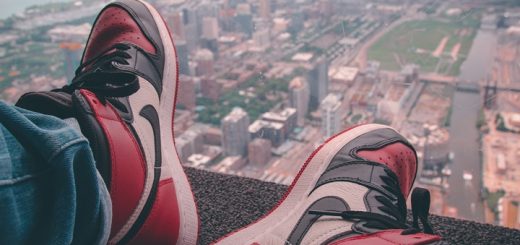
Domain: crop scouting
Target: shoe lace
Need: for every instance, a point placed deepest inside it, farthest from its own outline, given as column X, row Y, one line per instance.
column 420, row 211
column 97, row 74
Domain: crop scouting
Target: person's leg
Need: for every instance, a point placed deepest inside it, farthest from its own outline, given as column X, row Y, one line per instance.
column 123, row 97
column 50, row 190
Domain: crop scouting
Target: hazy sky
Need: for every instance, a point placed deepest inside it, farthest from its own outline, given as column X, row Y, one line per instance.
column 9, row 7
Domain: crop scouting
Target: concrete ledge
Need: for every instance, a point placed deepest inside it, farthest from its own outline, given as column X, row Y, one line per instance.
column 227, row 203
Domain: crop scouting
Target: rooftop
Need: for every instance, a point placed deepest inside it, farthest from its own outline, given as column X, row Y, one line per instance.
column 343, row 73
column 236, row 114
column 226, row 203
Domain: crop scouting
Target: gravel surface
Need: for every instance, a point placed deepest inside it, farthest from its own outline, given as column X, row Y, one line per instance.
column 227, row 203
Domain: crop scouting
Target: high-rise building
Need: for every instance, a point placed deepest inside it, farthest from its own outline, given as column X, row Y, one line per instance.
column 210, row 34
column 272, row 131
column 244, row 19
column 205, row 62
column 318, row 79
column 213, row 136
column 182, row 56
column 235, row 136
column 264, row 9
column 259, row 152
column 176, row 24
column 210, row 29
column 299, row 98
column 262, row 38
column 326, row 8
column 186, row 92
column 210, row 88
column 243, row 8
column 296, row 24
column 275, row 126
column 287, row 117
column 189, row 143
column 330, row 115
column 191, row 30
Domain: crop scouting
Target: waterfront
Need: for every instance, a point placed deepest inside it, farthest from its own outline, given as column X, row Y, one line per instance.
column 464, row 195
column 10, row 7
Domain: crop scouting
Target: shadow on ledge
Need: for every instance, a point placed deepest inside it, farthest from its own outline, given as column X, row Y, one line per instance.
column 227, row 203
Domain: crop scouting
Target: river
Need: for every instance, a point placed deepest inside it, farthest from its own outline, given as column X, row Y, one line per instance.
column 10, row 7
column 464, row 195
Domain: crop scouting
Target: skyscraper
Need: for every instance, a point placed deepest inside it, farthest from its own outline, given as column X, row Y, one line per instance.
column 330, row 115
column 210, row 88
column 264, row 9
column 191, row 31
column 259, row 151
column 182, row 56
column 235, row 135
column 176, row 24
column 210, row 34
column 318, row 79
column 205, row 64
column 299, row 98
column 210, row 28
column 186, row 93
column 244, row 19
column 262, row 38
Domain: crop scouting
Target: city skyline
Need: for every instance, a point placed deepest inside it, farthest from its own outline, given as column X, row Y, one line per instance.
column 263, row 83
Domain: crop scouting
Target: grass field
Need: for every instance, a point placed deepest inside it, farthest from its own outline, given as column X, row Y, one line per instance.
column 421, row 42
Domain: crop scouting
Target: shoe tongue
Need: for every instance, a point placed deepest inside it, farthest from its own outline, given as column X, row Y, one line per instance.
column 58, row 104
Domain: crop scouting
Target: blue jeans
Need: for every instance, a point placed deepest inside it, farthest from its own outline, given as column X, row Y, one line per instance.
column 50, row 190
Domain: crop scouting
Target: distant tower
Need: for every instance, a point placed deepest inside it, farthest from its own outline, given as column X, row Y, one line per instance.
column 210, row 88
column 176, row 24
column 318, row 79
column 186, row 92
column 244, row 19
column 299, row 98
column 210, row 29
column 205, row 62
column 330, row 115
column 259, row 151
column 182, row 56
column 490, row 95
column 191, row 30
column 264, row 9
column 235, row 135
column 72, row 52
column 210, row 34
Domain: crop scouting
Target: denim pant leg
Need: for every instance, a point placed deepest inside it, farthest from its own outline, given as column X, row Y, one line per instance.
column 50, row 190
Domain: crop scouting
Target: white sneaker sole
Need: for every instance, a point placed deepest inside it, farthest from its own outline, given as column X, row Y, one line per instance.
column 277, row 225
column 189, row 221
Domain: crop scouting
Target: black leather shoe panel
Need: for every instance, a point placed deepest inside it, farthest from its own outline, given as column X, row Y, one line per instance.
column 95, row 135
column 58, row 104
column 307, row 220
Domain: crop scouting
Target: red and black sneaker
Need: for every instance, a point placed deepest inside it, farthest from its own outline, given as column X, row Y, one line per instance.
column 351, row 190
column 123, row 97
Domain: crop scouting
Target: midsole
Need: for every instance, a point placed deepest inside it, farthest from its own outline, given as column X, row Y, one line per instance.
column 188, row 230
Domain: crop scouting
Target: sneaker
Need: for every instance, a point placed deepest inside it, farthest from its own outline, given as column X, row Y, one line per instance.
column 123, row 97
column 351, row 190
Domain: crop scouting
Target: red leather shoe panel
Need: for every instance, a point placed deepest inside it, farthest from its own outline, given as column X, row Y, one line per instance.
column 162, row 225
column 388, row 237
column 399, row 158
column 113, row 26
column 128, row 167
